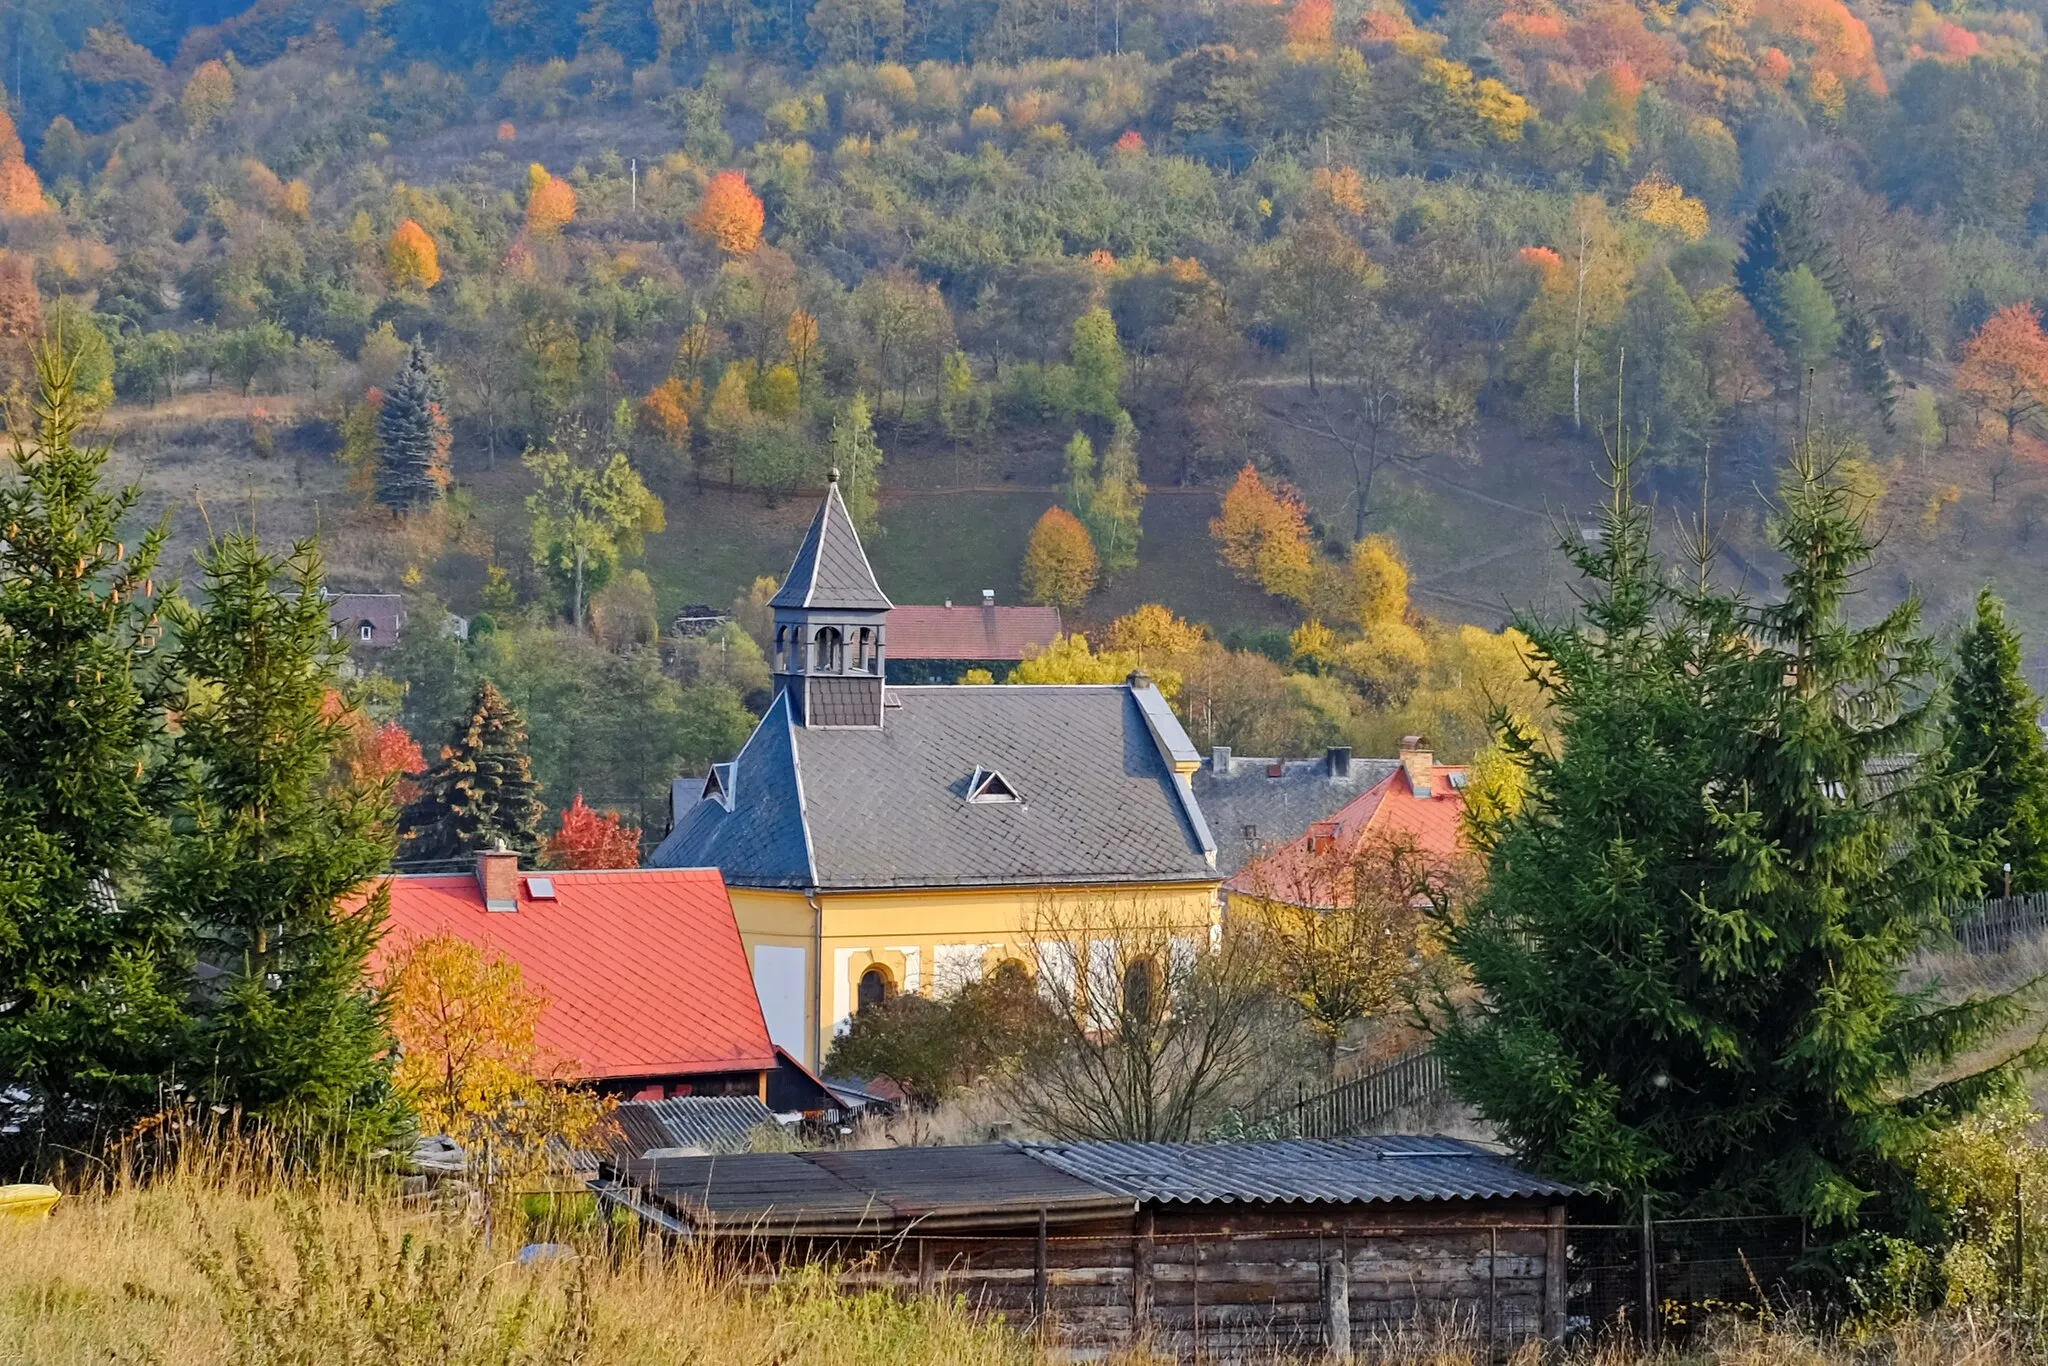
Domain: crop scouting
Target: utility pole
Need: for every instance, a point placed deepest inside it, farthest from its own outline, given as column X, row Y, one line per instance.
column 634, row 164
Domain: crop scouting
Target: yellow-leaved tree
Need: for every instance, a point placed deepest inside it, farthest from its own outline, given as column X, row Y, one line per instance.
column 411, row 259
column 471, row 1063
column 1060, row 564
column 1068, row 659
column 550, row 201
column 1262, row 533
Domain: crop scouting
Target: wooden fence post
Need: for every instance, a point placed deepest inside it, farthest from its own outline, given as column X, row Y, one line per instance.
column 1554, row 1279
column 1337, row 1302
column 1142, row 1251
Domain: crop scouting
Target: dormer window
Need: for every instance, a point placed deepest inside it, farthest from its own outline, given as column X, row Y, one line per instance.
column 827, row 650
column 988, row 786
column 1322, row 836
column 368, row 632
column 718, row 785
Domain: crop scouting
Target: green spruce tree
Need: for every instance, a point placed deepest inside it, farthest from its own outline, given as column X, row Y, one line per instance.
column 1994, row 743
column 858, row 458
column 268, row 855
column 481, row 792
column 89, row 1012
column 1689, row 950
column 412, row 436
column 1098, row 365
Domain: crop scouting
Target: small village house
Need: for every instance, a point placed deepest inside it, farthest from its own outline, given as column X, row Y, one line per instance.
column 1195, row 1251
column 879, row 838
column 1414, row 802
column 646, row 983
column 366, row 621
column 941, row 644
column 1255, row 805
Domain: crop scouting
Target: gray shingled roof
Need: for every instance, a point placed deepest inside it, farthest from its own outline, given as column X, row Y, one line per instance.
column 1276, row 810
column 711, row 1124
column 1344, row 1171
column 888, row 808
column 831, row 571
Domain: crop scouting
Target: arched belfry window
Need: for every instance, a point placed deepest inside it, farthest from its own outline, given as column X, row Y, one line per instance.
column 864, row 651
column 875, row 988
column 781, row 648
column 827, row 649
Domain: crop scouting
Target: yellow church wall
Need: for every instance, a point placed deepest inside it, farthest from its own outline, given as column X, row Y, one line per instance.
column 925, row 939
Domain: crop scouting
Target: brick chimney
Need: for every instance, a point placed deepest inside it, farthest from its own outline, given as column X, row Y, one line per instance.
column 1219, row 760
column 1419, row 764
column 988, row 597
column 497, row 873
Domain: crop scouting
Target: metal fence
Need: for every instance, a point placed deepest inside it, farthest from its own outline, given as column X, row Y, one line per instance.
column 1999, row 924
column 1655, row 1280
column 1354, row 1106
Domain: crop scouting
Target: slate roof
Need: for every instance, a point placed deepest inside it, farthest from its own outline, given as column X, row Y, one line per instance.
column 831, row 570
column 1237, row 793
column 643, row 968
column 383, row 613
column 877, row 1190
column 708, row 1124
column 1379, row 1170
column 877, row 808
column 971, row 632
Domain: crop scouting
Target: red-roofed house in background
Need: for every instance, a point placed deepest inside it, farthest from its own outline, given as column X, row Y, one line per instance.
column 940, row 644
column 648, row 990
column 1421, row 803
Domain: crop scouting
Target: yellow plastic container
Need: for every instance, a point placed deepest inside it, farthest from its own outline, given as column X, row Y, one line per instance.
column 28, row 1202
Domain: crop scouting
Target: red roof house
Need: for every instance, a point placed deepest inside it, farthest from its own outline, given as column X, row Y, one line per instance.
column 938, row 644
column 646, row 980
column 1421, row 802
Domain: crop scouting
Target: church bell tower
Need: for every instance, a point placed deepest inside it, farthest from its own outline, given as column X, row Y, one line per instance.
column 831, row 625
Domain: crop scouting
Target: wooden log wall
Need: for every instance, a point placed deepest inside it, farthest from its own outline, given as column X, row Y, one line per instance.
column 1253, row 1285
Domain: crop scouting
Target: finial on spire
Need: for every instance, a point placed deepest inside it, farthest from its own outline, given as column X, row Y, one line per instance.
column 832, row 475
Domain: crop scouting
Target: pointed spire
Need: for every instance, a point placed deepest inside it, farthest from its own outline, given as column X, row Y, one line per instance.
column 831, row 571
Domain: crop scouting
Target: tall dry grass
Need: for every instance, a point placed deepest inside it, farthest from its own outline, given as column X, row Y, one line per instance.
column 224, row 1263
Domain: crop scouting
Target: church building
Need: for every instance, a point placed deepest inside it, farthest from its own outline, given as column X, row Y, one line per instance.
column 877, row 838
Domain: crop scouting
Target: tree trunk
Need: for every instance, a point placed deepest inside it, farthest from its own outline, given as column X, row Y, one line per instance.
column 576, row 612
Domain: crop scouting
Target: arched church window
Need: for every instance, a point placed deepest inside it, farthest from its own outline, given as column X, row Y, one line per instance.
column 875, row 988
column 826, row 651
column 781, row 648
column 864, row 653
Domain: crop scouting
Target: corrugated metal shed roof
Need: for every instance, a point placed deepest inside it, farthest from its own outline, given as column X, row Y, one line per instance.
column 866, row 1191
column 711, row 1124
column 1395, row 1168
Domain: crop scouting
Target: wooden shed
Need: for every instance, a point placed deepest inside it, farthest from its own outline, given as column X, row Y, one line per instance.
column 1217, row 1251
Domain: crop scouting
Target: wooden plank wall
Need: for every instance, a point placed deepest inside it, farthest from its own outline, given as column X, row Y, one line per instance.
column 1196, row 1286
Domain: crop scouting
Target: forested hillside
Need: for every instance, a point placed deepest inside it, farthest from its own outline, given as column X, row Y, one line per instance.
column 1304, row 320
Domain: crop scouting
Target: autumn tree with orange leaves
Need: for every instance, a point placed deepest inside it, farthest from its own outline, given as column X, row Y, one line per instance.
column 1262, row 533
column 2005, row 367
column 550, row 202
column 731, row 216
column 21, row 189
column 589, row 838
column 411, row 259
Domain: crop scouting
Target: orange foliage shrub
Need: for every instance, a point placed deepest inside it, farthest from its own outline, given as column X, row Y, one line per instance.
column 506, row 132
column 731, row 215
column 1542, row 31
column 10, row 139
column 21, row 320
column 21, row 190
column 1060, row 564
column 1541, row 259
column 2005, row 367
column 1957, row 42
column 1131, row 143
column 592, row 839
column 370, row 755
column 667, row 409
column 1262, row 533
column 1838, row 42
column 1311, row 22
column 1343, row 187
column 411, row 258
column 208, row 95
column 1774, row 67
column 550, row 202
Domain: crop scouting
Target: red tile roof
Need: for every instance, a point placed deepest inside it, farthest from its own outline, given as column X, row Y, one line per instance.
column 970, row 632
column 643, row 969
column 1435, row 823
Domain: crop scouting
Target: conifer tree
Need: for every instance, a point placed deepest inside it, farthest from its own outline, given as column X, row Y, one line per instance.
column 412, row 436
column 268, row 854
column 1994, row 730
column 482, row 790
column 1119, row 499
column 88, row 1014
column 1689, row 949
